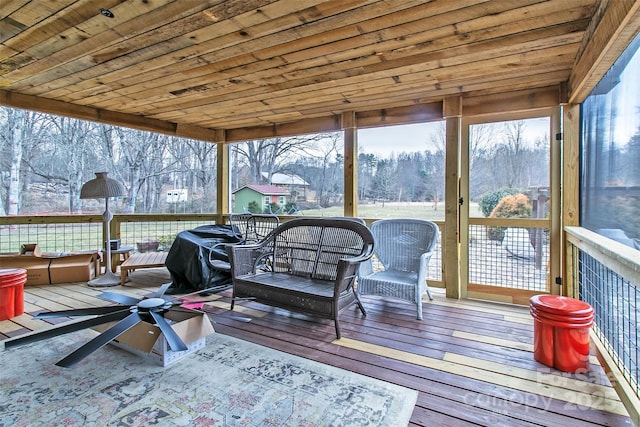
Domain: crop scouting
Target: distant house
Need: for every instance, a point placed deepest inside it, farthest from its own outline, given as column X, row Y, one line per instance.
column 296, row 186
column 177, row 195
column 262, row 195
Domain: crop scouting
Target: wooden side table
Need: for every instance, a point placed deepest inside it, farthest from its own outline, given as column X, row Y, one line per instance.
column 141, row 260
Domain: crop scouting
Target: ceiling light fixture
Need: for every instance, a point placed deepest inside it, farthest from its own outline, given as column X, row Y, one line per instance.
column 107, row 13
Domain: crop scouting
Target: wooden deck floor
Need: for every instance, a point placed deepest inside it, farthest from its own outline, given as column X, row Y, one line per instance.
column 471, row 361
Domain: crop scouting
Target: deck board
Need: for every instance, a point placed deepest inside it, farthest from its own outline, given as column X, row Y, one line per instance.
column 471, row 361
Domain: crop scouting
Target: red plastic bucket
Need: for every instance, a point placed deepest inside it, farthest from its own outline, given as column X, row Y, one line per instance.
column 18, row 299
column 561, row 331
column 12, row 281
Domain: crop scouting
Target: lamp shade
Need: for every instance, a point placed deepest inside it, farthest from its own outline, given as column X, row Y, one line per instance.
column 102, row 187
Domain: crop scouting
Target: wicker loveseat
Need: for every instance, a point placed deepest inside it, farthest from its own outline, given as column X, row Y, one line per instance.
column 306, row 265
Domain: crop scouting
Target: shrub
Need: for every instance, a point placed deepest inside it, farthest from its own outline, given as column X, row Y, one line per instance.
column 254, row 208
column 273, row 208
column 489, row 201
column 514, row 206
column 166, row 241
column 290, row 208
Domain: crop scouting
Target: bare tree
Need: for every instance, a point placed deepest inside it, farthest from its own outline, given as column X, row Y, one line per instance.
column 198, row 159
column 366, row 168
column 61, row 160
column 386, row 180
column 513, row 148
column 21, row 131
column 265, row 157
column 45, row 152
column 13, row 140
column 76, row 141
column 481, row 137
column 143, row 162
column 330, row 158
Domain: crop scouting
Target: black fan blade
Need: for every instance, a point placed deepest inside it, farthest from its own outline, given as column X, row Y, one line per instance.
column 160, row 292
column 183, row 309
column 174, row 341
column 119, row 298
column 67, row 328
column 101, row 340
column 239, row 318
column 80, row 312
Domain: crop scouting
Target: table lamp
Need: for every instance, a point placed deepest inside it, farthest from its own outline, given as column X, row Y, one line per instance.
column 103, row 187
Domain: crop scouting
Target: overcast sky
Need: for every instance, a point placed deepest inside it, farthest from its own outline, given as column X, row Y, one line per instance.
column 385, row 140
column 416, row 137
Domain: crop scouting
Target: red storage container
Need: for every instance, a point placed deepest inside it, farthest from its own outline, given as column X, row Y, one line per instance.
column 7, row 304
column 12, row 282
column 561, row 331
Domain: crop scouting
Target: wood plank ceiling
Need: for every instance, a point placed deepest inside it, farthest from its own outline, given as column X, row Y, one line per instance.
column 233, row 64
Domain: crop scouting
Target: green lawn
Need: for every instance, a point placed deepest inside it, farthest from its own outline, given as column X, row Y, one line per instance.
column 391, row 210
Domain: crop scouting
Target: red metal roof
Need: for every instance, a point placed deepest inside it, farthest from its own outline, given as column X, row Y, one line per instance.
column 265, row 189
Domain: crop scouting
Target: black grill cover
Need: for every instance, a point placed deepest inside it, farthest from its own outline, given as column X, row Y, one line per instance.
column 188, row 259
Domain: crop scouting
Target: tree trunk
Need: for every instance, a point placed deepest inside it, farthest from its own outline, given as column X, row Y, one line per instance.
column 14, row 194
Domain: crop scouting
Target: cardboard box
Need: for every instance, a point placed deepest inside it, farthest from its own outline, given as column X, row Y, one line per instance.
column 73, row 268
column 53, row 269
column 30, row 249
column 37, row 268
column 146, row 340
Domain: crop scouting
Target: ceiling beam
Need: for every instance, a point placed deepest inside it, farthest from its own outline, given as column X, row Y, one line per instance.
column 521, row 100
column 620, row 23
column 50, row 106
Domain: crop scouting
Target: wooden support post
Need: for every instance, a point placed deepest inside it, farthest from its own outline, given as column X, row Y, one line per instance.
column 350, row 164
column 570, row 187
column 222, row 179
column 452, row 111
column 556, row 250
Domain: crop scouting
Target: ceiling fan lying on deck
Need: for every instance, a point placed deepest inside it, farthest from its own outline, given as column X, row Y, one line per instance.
column 127, row 313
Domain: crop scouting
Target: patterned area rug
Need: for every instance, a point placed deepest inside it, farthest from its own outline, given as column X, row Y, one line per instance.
column 227, row 383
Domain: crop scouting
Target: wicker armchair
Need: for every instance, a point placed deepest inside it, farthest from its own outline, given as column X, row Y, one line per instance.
column 404, row 248
column 253, row 227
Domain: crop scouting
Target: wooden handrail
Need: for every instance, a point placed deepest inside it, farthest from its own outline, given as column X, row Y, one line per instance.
column 616, row 256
